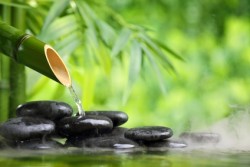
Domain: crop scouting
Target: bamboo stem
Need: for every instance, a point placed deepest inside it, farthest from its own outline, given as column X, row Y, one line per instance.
column 17, row 77
column 4, row 74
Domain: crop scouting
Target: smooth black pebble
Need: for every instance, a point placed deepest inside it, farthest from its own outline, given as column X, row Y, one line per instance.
column 23, row 128
column 52, row 110
column 117, row 117
column 105, row 142
column 149, row 133
column 80, row 125
column 39, row 144
column 200, row 137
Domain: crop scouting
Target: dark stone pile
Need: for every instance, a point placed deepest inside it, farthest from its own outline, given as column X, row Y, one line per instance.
column 38, row 123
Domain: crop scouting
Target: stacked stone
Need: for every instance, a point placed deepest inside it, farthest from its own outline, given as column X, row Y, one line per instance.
column 39, row 122
column 34, row 125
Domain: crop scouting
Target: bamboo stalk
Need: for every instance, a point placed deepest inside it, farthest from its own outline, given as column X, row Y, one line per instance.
column 17, row 77
column 4, row 74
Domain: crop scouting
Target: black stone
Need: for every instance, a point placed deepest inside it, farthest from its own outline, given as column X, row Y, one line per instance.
column 52, row 110
column 166, row 143
column 105, row 142
column 116, row 131
column 84, row 125
column 149, row 133
column 23, row 128
column 39, row 144
column 200, row 137
column 117, row 117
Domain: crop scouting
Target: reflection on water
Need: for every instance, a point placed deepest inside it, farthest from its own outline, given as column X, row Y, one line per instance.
column 134, row 158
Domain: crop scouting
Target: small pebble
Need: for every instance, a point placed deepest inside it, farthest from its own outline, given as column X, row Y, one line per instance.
column 52, row 110
column 149, row 133
column 117, row 117
column 81, row 125
column 22, row 128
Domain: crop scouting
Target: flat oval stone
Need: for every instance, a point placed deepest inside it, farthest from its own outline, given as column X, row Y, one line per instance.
column 200, row 137
column 52, row 110
column 105, row 142
column 166, row 143
column 23, row 128
column 80, row 125
column 39, row 144
column 149, row 133
column 117, row 117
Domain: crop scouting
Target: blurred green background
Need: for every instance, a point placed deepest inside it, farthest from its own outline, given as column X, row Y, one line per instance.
column 177, row 63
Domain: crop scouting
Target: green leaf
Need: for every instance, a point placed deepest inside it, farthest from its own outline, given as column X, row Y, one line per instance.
column 56, row 9
column 14, row 4
column 157, row 50
column 135, row 61
column 107, row 32
column 121, row 42
column 155, row 67
column 134, row 67
column 59, row 28
column 169, row 50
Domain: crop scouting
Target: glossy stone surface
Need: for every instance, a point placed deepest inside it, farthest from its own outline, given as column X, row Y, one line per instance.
column 38, row 144
column 52, row 110
column 200, row 137
column 117, row 117
column 166, row 143
column 81, row 125
column 22, row 128
column 105, row 142
column 149, row 133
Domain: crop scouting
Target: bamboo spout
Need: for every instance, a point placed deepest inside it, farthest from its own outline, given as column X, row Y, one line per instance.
column 33, row 53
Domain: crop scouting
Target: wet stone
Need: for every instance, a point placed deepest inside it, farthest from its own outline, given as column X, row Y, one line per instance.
column 166, row 143
column 52, row 110
column 105, row 142
column 39, row 144
column 22, row 128
column 84, row 125
column 117, row 117
column 200, row 137
column 149, row 133
column 116, row 131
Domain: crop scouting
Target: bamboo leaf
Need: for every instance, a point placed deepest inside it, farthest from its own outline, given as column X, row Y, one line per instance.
column 14, row 4
column 135, row 61
column 163, row 58
column 55, row 11
column 134, row 67
column 107, row 32
column 121, row 42
column 169, row 50
column 155, row 67
column 59, row 28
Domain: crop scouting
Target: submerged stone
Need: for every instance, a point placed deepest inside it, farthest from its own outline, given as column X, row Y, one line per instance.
column 149, row 133
column 105, row 142
column 166, row 143
column 52, row 110
column 117, row 117
column 81, row 125
column 23, row 128
column 39, row 144
column 200, row 137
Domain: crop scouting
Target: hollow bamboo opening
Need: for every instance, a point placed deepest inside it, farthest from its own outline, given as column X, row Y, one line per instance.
column 57, row 66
